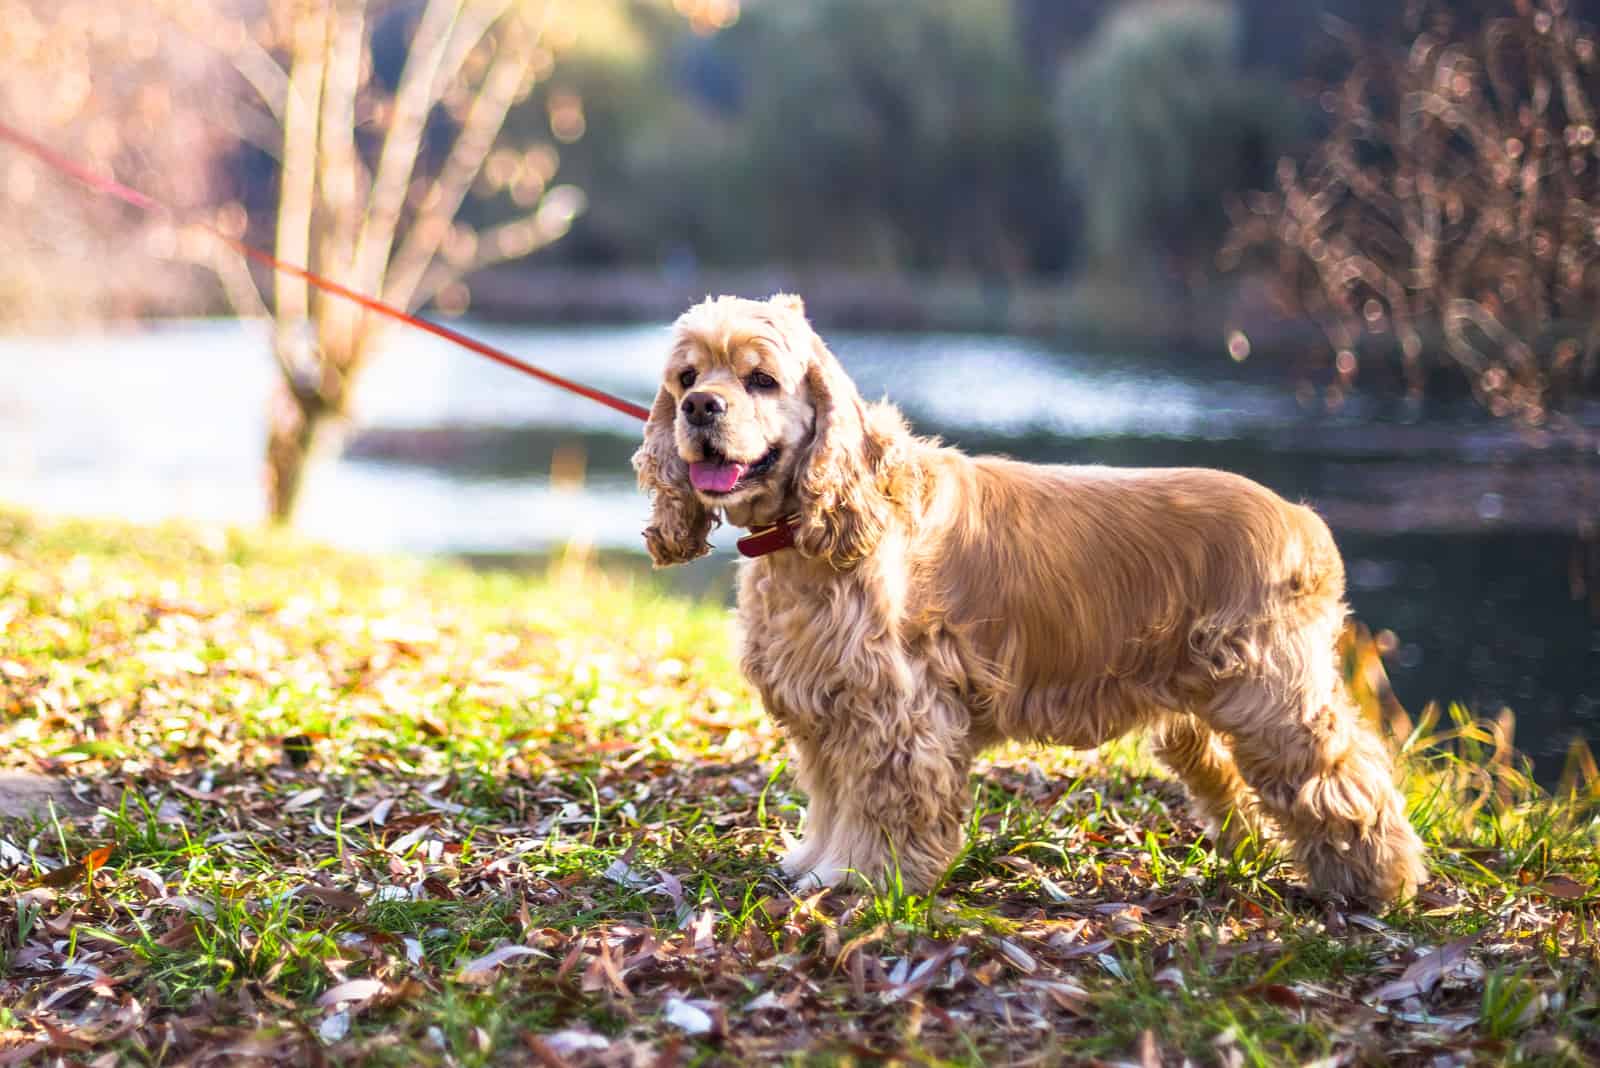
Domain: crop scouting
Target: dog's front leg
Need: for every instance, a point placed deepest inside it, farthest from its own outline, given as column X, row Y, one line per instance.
column 888, row 790
column 802, row 858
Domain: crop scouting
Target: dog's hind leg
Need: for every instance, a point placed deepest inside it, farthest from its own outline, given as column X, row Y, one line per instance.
column 1222, row 800
column 1320, row 772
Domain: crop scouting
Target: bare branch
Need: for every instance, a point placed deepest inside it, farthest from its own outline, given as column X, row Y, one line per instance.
column 511, row 240
column 412, row 103
column 348, row 224
column 485, row 117
column 471, row 26
column 296, row 201
column 270, row 81
column 199, row 247
column 233, row 272
column 340, row 170
column 253, row 63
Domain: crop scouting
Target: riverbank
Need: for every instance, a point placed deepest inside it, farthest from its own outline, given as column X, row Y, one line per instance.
column 380, row 811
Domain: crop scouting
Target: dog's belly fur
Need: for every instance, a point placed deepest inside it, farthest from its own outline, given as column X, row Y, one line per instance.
column 1129, row 592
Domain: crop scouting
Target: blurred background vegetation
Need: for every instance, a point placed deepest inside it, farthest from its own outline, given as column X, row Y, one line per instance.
column 1072, row 166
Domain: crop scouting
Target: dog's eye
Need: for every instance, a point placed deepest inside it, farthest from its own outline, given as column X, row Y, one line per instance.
column 761, row 380
column 686, row 378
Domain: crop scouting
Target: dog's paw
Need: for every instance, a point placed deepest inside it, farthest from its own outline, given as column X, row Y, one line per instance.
column 808, row 866
column 819, row 877
column 799, row 858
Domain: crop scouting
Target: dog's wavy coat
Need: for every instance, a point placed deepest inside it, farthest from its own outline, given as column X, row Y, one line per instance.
column 935, row 604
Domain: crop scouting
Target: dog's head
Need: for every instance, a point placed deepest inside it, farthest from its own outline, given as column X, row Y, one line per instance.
column 754, row 421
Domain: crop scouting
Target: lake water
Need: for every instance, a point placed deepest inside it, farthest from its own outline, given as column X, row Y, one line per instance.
column 1453, row 528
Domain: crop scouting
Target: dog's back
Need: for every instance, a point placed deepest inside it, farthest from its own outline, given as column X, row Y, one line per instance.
column 1097, row 592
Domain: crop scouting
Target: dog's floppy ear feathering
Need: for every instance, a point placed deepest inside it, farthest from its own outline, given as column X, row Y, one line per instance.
column 679, row 523
column 845, row 471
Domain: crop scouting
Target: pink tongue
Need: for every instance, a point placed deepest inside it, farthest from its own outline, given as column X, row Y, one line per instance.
column 715, row 478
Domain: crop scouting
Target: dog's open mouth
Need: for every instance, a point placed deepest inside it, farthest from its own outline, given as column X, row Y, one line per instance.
column 717, row 474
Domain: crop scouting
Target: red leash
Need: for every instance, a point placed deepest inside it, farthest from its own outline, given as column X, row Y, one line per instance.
column 758, row 542
column 113, row 188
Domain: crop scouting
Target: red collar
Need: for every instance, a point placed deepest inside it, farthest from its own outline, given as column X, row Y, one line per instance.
column 763, row 540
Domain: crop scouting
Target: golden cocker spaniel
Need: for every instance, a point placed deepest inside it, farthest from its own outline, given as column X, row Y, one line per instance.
column 926, row 604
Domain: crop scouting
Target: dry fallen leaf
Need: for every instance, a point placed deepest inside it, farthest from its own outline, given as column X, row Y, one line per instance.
column 85, row 868
column 481, row 969
column 544, row 1053
column 192, row 905
column 562, row 1043
column 334, row 1028
column 1282, row 996
column 304, row 798
column 687, row 1017
column 1566, row 888
column 1020, row 958
column 624, row 874
column 1149, row 1052
column 1425, row 972
column 350, row 990
column 342, row 900
column 1067, row 996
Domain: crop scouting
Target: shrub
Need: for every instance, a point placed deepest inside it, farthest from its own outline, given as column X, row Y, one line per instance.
column 1454, row 198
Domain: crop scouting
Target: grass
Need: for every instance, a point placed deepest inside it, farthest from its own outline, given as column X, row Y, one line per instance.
column 332, row 809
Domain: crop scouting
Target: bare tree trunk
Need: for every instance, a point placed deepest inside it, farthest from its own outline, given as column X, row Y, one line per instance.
column 296, row 432
column 303, row 420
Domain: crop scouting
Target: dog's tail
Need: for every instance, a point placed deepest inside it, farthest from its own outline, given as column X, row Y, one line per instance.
column 1315, row 574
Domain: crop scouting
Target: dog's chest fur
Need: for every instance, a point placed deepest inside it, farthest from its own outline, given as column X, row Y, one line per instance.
column 824, row 646
column 811, row 635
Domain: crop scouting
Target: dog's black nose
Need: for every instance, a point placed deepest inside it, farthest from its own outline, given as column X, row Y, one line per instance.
column 703, row 409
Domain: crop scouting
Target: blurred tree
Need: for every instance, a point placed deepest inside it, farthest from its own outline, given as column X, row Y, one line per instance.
column 1049, row 30
column 101, row 84
column 611, row 76
column 1158, row 124
column 373, row 174
column 905, row 135
column 1456, row 199
column 880, row 134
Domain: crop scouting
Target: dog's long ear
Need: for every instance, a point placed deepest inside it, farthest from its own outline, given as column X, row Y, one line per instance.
column 679, row 523
column 843, row 508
